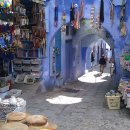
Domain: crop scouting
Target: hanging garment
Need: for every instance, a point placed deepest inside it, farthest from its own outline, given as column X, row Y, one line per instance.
column 92, row 16
column 101, row 12
column 56, row 14
column 123, row 30
column 63, row 28
column 97, row 22
column 112, row 12
column 82, row 7
column 72, row 14
column 76, row 21
column 43, row 44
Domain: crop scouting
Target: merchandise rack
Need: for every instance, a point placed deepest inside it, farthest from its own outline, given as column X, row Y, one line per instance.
column 31, row 35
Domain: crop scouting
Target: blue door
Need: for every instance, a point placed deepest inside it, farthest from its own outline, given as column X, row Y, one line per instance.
column 69, row 53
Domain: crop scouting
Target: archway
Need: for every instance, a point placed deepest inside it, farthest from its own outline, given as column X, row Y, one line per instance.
column 90, row 35
column 85, row 32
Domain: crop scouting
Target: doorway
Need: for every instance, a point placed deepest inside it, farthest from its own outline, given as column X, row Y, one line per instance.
column 69, row 53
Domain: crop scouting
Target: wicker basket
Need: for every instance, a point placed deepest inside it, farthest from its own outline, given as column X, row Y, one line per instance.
column 113, row 102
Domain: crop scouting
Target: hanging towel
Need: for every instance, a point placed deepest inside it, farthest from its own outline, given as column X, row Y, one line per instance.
column 82, row 7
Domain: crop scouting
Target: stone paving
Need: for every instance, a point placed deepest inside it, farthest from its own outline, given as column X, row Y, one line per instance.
column 82, row 110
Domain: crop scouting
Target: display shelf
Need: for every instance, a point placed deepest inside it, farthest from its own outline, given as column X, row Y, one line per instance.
column 32, row 37
column 33, row 66
column 36, row 68
column 36, row 61
column 30, row 57
column 26, row 62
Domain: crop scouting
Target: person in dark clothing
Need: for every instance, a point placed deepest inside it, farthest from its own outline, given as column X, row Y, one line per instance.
column 102, row 63
column 92, row 60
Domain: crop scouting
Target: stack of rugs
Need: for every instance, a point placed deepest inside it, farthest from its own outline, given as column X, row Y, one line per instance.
column 25, row 121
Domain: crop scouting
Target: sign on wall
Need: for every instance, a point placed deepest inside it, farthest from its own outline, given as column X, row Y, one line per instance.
column 118, row 2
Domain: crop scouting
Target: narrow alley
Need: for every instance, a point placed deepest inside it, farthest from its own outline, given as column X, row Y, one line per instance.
column 78, row 105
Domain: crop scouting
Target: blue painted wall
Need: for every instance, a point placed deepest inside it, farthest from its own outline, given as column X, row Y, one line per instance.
column 114, row 30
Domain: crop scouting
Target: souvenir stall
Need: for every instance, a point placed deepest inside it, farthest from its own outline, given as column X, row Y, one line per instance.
column 124, row 86
column 121, row 96
column 30, row 41
column 6, row 46
column 22, row 32
column 7, row 50
column 6, row 38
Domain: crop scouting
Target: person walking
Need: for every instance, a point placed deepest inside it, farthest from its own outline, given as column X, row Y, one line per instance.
column 92, row 60
column 102, row 63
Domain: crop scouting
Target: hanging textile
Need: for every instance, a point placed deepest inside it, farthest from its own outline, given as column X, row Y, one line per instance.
column 82, row 7
column 72, row 14
column 56, row 14
column 101, row 12
column 63, row 28
column 112, row 12
column 97, row 22
column 92, row 16
column 122, row 20
column 76, row 21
